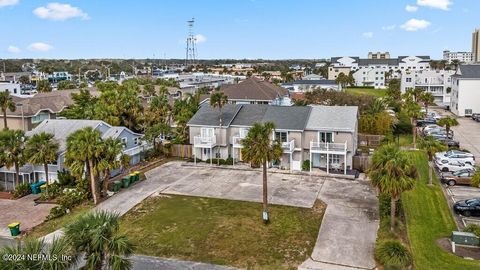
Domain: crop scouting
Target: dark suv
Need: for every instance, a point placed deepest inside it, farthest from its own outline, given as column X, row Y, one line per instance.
column 476, row 117
column 467, row 208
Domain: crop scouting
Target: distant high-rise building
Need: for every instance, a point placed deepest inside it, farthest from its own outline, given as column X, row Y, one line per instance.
column 464, row 57
column 379, row 55
column 476, row 46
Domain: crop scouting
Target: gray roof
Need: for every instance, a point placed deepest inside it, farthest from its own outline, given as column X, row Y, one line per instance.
column 62, row 128
column 468, row 72
column 284, row 117
column 369, row 62
column 250, row 114
column 341, row 118
column 318, row 82
column 209, row 116
column 253, row 89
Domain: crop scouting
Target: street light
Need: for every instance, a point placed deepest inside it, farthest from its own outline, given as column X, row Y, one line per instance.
column 23, row 118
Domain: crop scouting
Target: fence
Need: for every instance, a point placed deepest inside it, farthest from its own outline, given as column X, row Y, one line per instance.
column 361, row 162
column 370, row 140
column 177, row 150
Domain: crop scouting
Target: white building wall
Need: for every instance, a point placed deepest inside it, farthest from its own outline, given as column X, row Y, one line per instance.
column 371, row 76
column 464, row 97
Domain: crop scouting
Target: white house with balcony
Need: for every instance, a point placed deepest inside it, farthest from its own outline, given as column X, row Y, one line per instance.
column 465, row 98
column 437, row 82
column 61, row 129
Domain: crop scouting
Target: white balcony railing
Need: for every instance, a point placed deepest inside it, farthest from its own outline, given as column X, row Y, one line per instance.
column 137, row 149
column 328, row 147
column 237, row 141
column 288, row 146
column 51, row 168
column 204, row 142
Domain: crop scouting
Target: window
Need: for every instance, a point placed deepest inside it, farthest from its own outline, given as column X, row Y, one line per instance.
column 281, row 136
column 325, row 137
column 124, row 140
column 40, row 117
column 408, row 79
column 135, row 141
column 243, row 132
column 334, row 159
column 206, row 132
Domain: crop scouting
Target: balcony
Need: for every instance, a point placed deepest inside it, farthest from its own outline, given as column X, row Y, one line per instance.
column 204, row 142
column 430, row 81
column 288, row 146
column 333, row 148
column 237, row 141
column 137, row 149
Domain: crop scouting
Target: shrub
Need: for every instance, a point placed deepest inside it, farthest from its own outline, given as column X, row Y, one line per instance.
column 56, row 212
column 475, row 182
column 52, row 191
column 65, row 179
column 393, row 255
column 2, row 188
column 473, row 229
column 22, row 190
column 71, row 199
column 403, row 126
column 228, row 161
column 306, row 165
column 384, row 205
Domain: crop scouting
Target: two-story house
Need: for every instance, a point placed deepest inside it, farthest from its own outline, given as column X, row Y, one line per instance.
column 61, row 129
column 325, row 135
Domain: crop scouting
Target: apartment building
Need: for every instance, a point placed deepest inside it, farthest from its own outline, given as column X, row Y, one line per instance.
column 378, row 55
column 302, row 86
column 437, row 82
column 464, row 98
column 325, row 135
column 462, row 57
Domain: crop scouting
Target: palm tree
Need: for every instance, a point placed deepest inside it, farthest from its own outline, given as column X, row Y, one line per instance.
column 414, row 93
column 259, row 149
column 96, row 234
column 431, row 146
column 108, row 159
column 447, row 122
column 84, row 147
column 44, row 86
column 414, row 112
column 217, row 100
column 42, row 149
column 6, row 103
column 59, row 249
column 12, row 150
column 392, row 172
column 426, row 98
column 376, row 106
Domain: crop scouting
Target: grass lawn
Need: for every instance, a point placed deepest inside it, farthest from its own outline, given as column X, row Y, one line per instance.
column 223, row 231
column 429, row 218
column 57, row 223
column 367, row 91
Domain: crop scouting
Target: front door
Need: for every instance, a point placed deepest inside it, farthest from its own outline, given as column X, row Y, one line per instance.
column 316, row 160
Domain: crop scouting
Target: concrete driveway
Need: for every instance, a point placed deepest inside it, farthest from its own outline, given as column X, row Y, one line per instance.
column 349, row 228
column 24, row 211
column 235, row 184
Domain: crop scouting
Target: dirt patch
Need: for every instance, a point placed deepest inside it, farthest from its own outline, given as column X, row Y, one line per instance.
column 464, row 252
column 6, row 195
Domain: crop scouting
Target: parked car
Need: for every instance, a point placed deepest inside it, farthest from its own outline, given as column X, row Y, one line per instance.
column 449, row 142
column 476, row 117
column 460, row 177
column 439, row 132
column 445, row 174
column 458, row 155
column 426, row 121
column 467, row 208
column 444, row 165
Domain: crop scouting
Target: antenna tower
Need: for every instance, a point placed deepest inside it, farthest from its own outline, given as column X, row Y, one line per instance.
column 191, row 50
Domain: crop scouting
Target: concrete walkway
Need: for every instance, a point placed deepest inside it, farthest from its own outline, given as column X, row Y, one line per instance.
column 349, row 227
column 141, row 262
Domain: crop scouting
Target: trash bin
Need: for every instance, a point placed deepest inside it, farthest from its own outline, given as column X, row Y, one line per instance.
column 14, row 228
column 36, row 187
column 137, row 175
column 117, row 185
column 43, row 187
column 132, row 178
column 126, row 181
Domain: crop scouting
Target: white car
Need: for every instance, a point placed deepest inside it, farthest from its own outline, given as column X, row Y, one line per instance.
column 455, row 155
column 452, row 166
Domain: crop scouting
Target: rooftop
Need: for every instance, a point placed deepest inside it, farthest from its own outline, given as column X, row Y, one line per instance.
column 343, row 118
column 253, row 89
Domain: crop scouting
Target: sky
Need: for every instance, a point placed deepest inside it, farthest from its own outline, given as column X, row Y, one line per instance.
column 241, row 29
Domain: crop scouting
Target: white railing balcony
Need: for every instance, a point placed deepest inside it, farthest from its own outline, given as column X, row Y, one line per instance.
column 41, row 168
column 323, row 147
column 204, row 142
column 237, row 141
column 288, row 146
column 431, row 81
column 137, row 149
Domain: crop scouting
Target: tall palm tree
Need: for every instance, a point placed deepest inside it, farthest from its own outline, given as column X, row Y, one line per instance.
column 12, row 150
column 96, row 234
column 84, row 146
column 426, row 98
column 414, row 93
column 431, row 146
column 42, row 149
column 259, row 149
column 392, row 172
column 217, row 100
column 6, row 103
column 59, row 248
column 109, row 159
column 413, row 111
column 44, row 86
column 447, row 122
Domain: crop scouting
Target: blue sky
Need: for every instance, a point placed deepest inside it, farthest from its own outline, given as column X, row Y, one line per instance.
column 269, row 29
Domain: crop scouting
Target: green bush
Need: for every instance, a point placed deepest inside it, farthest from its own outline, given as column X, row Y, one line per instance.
column 71, row 199
column 473, row 229
column 2, row 188
column 22, row 190
column 393, row 255
column 56, row 212
column 306, row 165
column 228, row 161
column 403, row 126
column 65, row 179
column 53, row 191
column 384, row 205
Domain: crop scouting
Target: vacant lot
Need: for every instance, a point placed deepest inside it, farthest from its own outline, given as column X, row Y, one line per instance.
column 223, row 231
column 429, row 218
column 367, row 91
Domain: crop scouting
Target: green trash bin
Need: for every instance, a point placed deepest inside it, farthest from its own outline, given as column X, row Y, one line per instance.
column 14, row 228
column 126, row 181
column 117, row 185
column 132, row 178
column 137, row 175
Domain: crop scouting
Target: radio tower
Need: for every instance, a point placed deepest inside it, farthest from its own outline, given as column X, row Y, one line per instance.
column 191, row 51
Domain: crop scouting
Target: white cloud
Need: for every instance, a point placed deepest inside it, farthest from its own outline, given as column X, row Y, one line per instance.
column 6, row 3
column 13, row 49
column 59, row 12
column 410, row 8
column 415, row 25
column 200, row 38
column 367, row 34
column 439, row 4
column 40, row 47
column 389, row 27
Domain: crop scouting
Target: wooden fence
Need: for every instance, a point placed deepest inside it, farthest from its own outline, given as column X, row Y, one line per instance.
column 177, row 150
column 361, row 162
column 370, row 140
